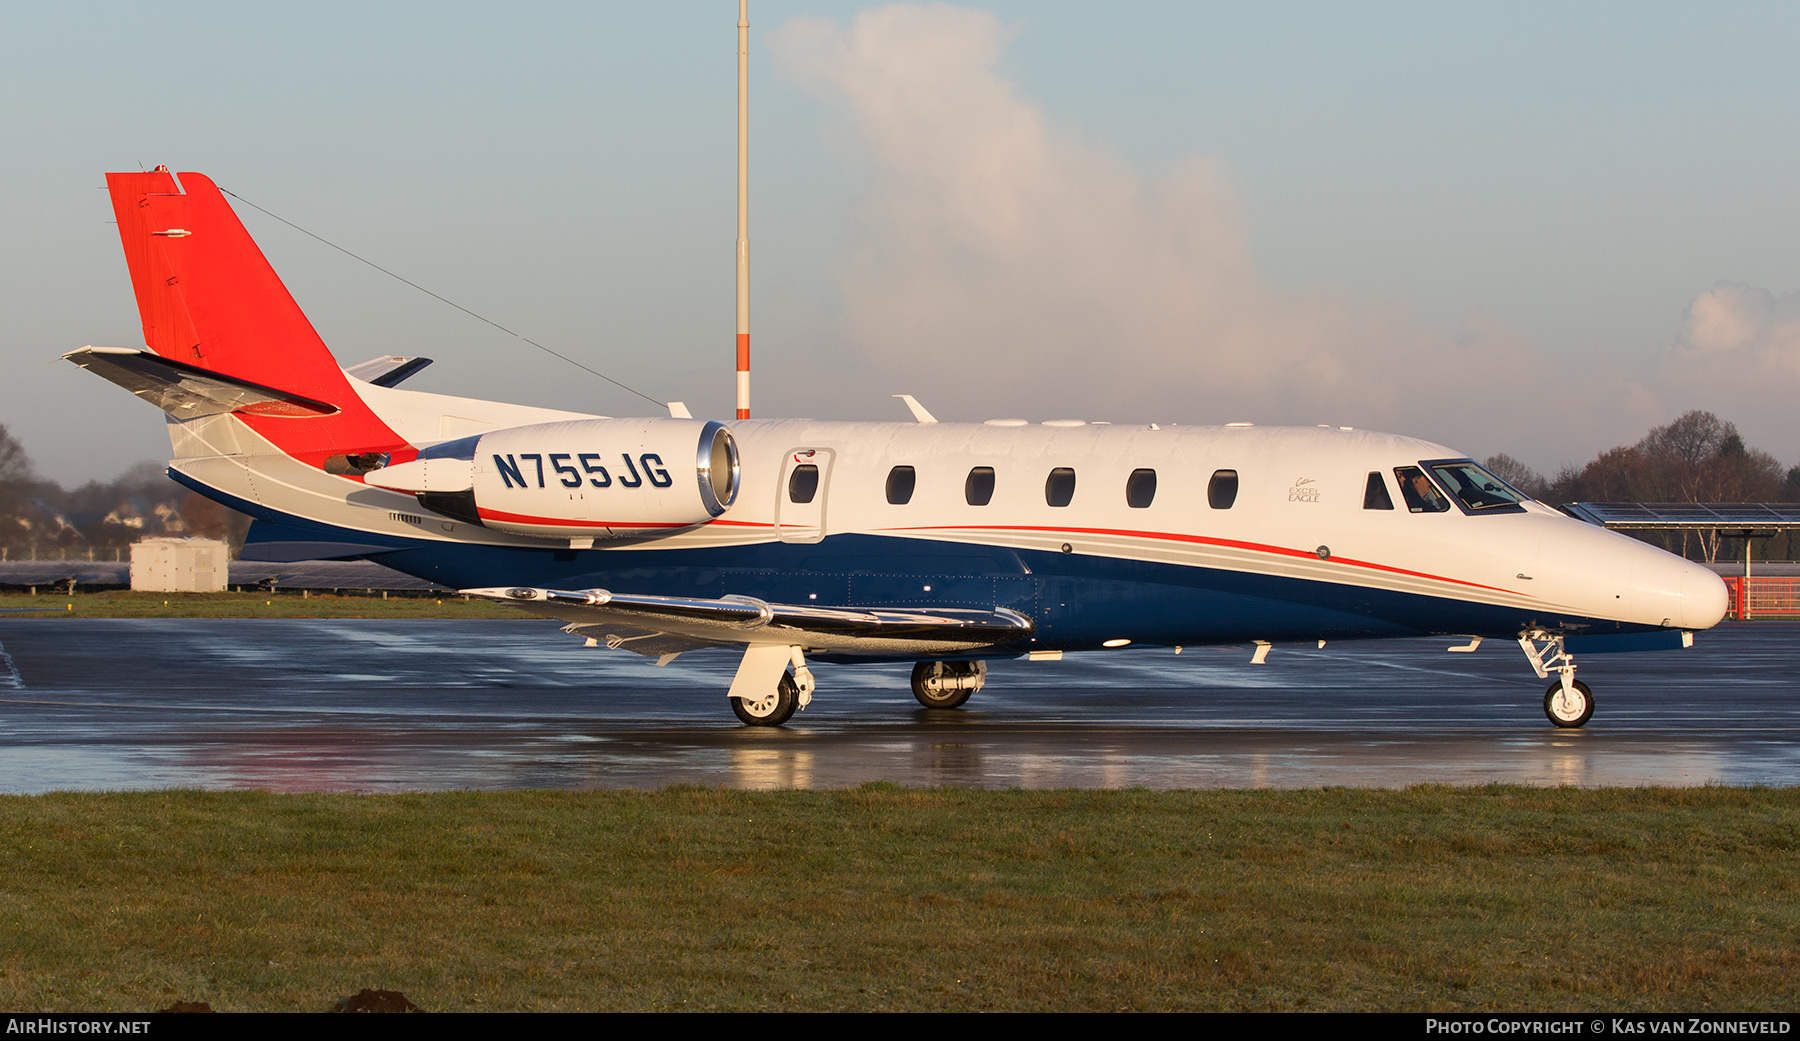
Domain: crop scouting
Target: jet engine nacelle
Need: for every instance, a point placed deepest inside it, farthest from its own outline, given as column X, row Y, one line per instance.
column 597, row 478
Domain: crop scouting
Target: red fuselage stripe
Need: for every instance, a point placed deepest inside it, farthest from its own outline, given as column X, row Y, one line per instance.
column 1256, row 547
column 564, row 522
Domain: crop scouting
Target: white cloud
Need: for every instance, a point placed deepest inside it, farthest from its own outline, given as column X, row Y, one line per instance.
column 1739, row 356
column 1001, row 264
column 1736, row 323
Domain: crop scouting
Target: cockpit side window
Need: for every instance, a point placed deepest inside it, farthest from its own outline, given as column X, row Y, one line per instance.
column 1420, row 494
column 1375, row 496
column 1477, row 489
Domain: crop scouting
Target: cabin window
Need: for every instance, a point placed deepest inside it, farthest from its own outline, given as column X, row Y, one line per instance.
column 1222, row 490
column 804, row 484
column 1420, row 494
column 1059, row 487
column 900, row 482
column 1140, row 489
column 1375, row 497
column 979, row 488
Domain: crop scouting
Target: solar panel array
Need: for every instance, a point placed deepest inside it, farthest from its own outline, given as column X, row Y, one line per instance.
column 52, row 572
column 326, row 574
column 1760, row 516
column 308, row 574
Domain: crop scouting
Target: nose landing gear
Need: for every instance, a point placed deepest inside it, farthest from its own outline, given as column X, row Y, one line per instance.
column 1569, row 703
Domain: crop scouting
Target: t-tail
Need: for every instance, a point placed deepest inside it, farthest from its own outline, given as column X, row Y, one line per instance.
column 216, row 313
column 261, row 416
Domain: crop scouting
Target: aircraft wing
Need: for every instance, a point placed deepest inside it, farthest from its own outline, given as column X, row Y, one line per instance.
column 658, row 625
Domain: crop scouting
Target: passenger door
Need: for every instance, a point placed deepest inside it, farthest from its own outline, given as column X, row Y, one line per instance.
column 800, row 498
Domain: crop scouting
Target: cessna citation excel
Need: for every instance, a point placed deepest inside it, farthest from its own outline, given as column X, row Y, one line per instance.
column 943, row 544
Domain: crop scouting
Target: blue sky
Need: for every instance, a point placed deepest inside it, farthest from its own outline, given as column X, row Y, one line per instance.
column 1518, row 228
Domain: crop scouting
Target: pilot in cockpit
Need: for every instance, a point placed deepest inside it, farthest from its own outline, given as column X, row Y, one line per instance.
column 1420, row 494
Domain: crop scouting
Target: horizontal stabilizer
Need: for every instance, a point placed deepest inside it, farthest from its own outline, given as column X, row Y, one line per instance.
column 742, row 620
column 186, row 391
column 208, row 298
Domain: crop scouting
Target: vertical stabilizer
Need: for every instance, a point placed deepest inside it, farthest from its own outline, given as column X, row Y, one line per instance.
column 208, row 298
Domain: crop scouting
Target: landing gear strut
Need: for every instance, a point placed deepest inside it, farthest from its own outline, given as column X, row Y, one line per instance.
column 1569, row 703
column 947, row 684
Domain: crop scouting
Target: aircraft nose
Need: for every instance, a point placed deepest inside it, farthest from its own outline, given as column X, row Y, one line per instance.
column 1677, row 593
column 1704, row 597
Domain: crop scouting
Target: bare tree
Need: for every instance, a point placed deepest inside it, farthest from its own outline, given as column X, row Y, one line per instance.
column 1517, row 474
column 15, row 465
column 1696, row 458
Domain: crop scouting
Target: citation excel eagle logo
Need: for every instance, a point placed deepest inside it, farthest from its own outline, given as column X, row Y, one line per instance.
column 514, row 471
column 1303, row 491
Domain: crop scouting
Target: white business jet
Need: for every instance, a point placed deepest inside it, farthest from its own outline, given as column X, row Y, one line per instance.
column 944, row 544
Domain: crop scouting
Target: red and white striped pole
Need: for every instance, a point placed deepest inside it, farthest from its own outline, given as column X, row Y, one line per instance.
column 743, row 238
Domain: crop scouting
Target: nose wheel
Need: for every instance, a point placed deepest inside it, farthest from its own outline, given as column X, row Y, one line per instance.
column 1569, row 705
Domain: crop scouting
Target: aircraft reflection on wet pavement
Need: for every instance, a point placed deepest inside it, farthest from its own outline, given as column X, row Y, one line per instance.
column 400, row 705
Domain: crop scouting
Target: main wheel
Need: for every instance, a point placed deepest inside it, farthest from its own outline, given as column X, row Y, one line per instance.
column 930, row 687
column 772, row 709
column 1569, row 710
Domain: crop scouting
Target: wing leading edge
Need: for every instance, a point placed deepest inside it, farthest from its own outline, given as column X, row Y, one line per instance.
column 658, row 625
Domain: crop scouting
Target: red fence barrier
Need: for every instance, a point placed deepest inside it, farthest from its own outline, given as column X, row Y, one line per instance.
column 1763, row 597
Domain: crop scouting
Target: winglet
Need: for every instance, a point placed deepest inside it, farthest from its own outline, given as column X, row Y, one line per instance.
column 918, row 410
column 679, row 410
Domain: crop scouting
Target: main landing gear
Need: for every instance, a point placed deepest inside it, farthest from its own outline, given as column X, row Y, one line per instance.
column 1569, row 703
column 773, row 708
column 764, row 693
column 947, row 684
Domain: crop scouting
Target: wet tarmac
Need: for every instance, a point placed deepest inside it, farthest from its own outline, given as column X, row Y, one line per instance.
column 294, row 705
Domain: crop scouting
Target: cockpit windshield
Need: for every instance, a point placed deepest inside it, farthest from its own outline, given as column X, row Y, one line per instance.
column 1475, row 487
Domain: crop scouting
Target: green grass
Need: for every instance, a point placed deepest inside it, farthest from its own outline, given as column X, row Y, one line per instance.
column 128, row 604
column 886, row 898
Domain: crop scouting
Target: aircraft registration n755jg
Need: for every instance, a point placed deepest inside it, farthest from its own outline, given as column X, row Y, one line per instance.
column 945, row 544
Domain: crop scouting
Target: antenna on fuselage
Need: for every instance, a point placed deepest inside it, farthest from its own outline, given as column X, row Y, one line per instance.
column 743, row 236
